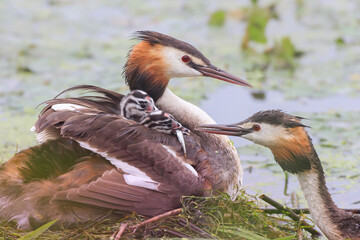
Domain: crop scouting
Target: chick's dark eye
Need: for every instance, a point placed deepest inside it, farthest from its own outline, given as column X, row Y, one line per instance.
column 143, row 105
column 185, row 58
column 256, row 127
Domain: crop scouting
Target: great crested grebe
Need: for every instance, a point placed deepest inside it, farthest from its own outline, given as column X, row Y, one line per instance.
column 92, row 160
column 292, row 148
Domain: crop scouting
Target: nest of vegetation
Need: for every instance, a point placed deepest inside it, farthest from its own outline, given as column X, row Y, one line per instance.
column 215, row 217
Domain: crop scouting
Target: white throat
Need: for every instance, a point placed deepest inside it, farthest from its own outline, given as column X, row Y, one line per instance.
column 190, row 115
column 185, row 112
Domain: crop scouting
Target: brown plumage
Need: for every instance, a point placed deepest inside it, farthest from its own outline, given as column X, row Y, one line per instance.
column 87, row 178
column 91, row 160
column 32, row 177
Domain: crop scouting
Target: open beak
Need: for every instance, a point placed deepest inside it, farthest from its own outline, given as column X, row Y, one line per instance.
column 217, row 73
column 230, row 130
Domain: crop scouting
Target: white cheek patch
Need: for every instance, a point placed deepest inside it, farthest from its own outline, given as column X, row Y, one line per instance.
column 268, row 135
column 176, row 67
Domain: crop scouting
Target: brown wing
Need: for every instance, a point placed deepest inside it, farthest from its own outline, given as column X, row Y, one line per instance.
column 112, row 192
column 59, row 179
column 136, row 150
column 30, row 179
column 151, row 173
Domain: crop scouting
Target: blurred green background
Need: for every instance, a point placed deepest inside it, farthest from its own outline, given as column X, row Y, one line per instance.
column 301, row 56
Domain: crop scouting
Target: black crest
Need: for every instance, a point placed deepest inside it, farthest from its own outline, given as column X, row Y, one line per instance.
column 276, row 117
column 165, row 40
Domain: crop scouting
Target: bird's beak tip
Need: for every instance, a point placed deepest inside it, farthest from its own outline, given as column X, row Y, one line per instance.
column 214, row 72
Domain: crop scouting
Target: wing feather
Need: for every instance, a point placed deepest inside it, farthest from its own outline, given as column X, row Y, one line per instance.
column 150, row 173
column 112, row 192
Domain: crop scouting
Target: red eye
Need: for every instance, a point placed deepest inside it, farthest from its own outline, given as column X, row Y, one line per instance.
column 256, row 127
column 185, row 58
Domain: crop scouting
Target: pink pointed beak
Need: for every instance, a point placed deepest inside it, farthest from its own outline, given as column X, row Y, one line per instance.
column 217, row 73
